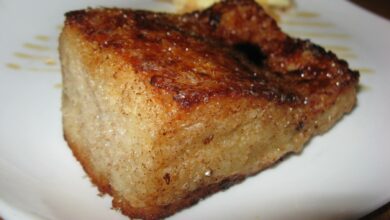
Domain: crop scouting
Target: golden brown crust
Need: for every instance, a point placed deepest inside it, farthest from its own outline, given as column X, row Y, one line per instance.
column 233, row 49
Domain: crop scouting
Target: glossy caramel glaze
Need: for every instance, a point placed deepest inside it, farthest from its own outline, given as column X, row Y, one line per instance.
column 233, row 49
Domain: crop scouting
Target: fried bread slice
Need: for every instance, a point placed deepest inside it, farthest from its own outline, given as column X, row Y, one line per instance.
column 162, row 109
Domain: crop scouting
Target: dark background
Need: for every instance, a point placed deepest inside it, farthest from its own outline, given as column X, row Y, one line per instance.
column 379, row 7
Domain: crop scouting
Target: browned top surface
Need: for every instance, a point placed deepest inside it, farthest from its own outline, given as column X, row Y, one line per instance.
column 232, row 49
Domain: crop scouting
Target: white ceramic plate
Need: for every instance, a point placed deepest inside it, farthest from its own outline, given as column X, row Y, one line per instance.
column 341, row 175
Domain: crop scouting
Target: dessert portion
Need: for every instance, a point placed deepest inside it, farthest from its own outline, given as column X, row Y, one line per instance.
column 162, row 110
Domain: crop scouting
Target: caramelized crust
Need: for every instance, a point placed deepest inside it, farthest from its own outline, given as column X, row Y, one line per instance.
column 163, row 110
column 233, row 49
